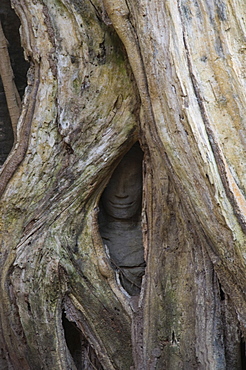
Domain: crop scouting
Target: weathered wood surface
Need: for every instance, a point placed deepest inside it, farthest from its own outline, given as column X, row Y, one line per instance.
column 178, row 86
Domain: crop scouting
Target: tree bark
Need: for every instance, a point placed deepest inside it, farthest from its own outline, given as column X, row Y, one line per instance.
column 103, row 75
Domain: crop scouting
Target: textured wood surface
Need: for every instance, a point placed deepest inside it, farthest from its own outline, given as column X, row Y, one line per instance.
column 105, row 74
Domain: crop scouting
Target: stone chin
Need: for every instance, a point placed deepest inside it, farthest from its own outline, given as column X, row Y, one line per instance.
column 122, row 211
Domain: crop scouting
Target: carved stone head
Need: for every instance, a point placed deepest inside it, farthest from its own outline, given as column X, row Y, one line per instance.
column 122, row 197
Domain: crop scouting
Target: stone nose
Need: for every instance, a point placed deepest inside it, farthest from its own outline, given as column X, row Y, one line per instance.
column 122, row 190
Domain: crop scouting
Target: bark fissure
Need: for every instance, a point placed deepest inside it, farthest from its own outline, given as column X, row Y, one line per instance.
column 243, row 353
column 82, row 353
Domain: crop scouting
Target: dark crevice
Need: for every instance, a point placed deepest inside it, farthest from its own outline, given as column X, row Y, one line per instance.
column 243, row 353
column 11, row 23
column 173, row 337
column 222, row 294
column 82, row 353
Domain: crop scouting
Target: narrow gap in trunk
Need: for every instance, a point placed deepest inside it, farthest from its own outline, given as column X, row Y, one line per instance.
column 120, row 221
column 243, row 353
column 222, row 294
column 10, row 24
column 83, row 354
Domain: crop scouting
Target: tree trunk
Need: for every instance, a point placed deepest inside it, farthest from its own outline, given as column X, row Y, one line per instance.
column 104, row 75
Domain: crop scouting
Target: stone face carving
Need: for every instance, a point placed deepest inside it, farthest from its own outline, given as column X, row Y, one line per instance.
column 120, row 220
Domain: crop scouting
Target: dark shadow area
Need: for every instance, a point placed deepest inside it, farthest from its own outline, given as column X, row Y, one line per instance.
column 11, row 23
column 120, row 220
column 243, row 353
column 83, row 354
column 222, row 294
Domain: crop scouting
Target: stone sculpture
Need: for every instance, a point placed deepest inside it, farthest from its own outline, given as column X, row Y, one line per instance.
column 120, row 220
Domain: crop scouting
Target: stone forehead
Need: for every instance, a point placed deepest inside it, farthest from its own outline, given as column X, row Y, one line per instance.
column 134, row 155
